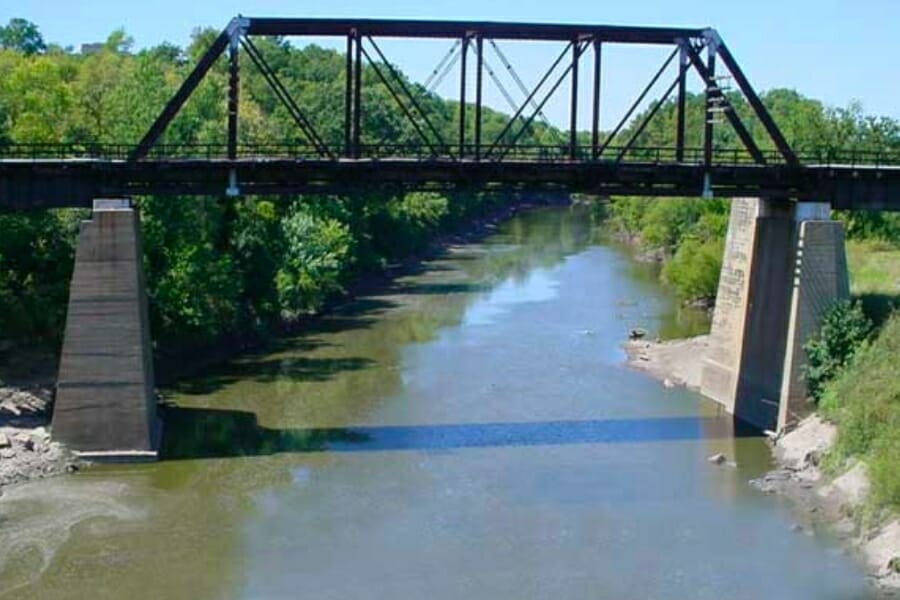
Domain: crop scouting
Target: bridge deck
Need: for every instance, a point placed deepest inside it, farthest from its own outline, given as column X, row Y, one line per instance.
column 47, row 183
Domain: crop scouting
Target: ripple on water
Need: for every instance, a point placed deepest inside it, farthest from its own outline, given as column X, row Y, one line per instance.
column 37, row 518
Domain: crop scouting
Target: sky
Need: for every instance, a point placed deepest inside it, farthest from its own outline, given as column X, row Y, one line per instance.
column 837, row 51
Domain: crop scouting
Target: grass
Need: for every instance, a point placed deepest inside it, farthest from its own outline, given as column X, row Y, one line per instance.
column 864, row 402
column 875, row 276
column 864, row 399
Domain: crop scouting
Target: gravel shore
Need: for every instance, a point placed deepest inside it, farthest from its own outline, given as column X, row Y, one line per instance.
column 26, row 450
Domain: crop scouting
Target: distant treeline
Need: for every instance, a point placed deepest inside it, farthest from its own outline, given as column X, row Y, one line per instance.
column 225, row 265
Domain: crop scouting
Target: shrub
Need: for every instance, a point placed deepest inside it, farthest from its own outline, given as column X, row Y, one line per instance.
column 694, row 270
column 317, row 254
column 845, row 328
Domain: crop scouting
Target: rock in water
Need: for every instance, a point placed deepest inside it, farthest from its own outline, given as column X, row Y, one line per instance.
column 4, row 441
column 717, row 459
column 637, row 333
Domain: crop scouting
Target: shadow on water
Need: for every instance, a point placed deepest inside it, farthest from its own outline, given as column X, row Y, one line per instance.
column 442, row 288
column 206, row 433
column 270, row 369
column 281, row 358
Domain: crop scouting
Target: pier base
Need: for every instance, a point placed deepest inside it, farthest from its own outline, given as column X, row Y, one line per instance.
column 784, row 266
column 105, row 404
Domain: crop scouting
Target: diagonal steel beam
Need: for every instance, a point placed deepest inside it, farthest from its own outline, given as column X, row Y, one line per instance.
column 518, row 81
column 409, row 95
column 184, row 92
column 578, row 51
column 758, row 107
column 636, row 103
column 282, row 93
column 397, row 99
column 730, row 114
column 445, row 64
column 648, row 118
column 399, row 79
column 529, row 99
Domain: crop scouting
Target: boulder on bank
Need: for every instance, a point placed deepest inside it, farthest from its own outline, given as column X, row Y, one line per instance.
column 806, row 443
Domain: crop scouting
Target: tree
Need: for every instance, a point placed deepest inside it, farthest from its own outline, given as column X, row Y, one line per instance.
column 23, row 36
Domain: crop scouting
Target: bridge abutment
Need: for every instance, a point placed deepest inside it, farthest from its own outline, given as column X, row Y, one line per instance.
column 784, row 265
column 105, row 404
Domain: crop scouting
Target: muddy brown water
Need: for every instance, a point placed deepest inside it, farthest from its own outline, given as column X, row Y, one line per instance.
column 472, row 433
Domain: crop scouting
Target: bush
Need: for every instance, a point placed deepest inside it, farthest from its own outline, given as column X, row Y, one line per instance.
column 694, row 270
column 845, row 328
column 317, row 255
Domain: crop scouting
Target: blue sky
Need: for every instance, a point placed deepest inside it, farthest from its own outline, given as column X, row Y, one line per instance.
column 833, row 50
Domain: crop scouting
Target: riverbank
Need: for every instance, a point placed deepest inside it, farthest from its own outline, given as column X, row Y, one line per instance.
column 840, row 502
column 27, row 378
column 177, row 365
column 26, row 393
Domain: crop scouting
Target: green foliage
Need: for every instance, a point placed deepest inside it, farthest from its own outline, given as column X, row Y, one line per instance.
column 317, row 253
column 864, row 401
column 694, row 269
column 36, row 254
column 22, row 36
column 870, row 225
column 194, row 287
column 845, row 328
column 690, row 233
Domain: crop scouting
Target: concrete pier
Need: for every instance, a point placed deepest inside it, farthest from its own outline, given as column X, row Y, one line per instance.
column 783, row 267
column 820, row 278
column 105, row 404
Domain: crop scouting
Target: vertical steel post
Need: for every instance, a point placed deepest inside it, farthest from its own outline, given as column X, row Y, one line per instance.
column 233, row 98
column 348, row 98
column 479, row 72
column 595, row 120
column 462, row 96
column 357, row 95
column 573, row 108
column 680, row 124
column 711, row 83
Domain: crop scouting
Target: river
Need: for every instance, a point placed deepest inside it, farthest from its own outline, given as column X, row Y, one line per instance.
column 471, row 432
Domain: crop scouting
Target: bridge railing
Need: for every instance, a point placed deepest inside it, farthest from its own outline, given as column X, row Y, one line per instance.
column 560, row 153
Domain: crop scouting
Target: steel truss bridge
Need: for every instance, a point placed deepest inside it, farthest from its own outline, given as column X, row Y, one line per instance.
column 55, row 175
